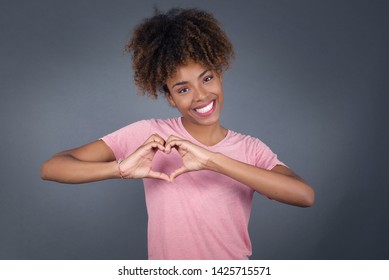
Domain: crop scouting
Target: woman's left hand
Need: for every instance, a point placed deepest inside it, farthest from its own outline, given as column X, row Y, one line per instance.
column 193, row 157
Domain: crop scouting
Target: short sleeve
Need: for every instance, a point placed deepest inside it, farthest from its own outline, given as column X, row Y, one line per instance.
column 126, row 140
column 265, row 158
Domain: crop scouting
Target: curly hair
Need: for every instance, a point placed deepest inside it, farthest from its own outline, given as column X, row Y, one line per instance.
column 165, row 41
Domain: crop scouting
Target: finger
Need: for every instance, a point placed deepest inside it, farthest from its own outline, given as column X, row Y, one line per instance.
column 154, row 145
column 176, row 143
column 178, row 172
column 168, row 146
column 148, row 148
column 155, row 138
column 158, row 175
column 173, row 137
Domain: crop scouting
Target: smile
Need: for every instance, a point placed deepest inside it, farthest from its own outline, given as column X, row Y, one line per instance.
column 206, row 109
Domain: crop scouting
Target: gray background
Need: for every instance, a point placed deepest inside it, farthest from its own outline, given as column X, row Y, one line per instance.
column 310, row 79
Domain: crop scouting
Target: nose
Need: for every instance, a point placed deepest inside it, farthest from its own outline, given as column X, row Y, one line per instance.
column 200, row 93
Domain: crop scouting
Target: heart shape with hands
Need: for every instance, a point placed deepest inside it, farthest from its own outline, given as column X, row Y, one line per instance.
column 139, row 164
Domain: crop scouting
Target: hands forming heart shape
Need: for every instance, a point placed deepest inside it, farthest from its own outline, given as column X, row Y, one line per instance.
column 139, row 163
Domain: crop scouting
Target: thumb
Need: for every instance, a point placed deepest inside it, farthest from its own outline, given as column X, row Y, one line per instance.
column 159, row 175
column 178, row 172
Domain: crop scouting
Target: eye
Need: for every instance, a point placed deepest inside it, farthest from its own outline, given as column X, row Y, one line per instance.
column 208, row 78
column 183, row 90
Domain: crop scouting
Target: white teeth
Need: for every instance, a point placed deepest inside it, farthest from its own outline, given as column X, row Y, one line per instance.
column 205, row 109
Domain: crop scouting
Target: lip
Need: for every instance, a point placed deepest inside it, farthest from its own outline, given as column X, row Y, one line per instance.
column 205, row 105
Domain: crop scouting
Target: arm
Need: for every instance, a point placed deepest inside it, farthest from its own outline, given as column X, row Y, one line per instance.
column 92, row 162
column 96, row 161
column 280, row 183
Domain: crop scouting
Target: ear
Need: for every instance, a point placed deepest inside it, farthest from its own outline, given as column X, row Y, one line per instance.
column 170, row 99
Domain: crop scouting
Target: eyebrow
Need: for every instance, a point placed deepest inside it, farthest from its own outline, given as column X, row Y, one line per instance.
column 185, row 82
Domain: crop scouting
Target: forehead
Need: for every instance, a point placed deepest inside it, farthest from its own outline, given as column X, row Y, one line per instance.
column 187, row 71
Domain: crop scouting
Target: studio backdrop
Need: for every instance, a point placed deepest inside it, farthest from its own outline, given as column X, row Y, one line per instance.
column 310, row 79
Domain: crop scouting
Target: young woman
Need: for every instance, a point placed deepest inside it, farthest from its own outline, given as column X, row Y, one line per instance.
column 199, row 177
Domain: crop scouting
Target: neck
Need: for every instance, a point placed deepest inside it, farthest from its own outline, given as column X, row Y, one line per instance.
column 207, row 135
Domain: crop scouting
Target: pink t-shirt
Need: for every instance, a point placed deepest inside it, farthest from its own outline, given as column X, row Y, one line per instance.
column 201, row 214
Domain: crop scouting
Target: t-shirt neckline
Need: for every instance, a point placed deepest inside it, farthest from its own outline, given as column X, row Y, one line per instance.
column 195, row 141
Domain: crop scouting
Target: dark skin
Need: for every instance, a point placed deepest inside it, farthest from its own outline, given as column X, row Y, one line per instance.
column 197, row 93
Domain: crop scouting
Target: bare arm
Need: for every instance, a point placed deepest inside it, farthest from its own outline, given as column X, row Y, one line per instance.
column 96, row 161
column 280, row 183
column 92, row 162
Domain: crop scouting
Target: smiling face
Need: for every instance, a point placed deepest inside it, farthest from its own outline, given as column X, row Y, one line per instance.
column 197, row 93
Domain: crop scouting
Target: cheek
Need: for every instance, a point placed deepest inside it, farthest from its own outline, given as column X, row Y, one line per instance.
column 183, row 104
column 183, row 101
column 216, row 88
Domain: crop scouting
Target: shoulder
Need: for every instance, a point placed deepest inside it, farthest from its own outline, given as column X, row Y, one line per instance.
column 146, row 125
column 237, row 138
column 252, row 150
column 172, row 122
column 144, row 128
column 166, row 127
column 137, row 126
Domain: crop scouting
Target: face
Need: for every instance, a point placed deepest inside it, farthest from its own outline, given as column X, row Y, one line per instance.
column 197, row 93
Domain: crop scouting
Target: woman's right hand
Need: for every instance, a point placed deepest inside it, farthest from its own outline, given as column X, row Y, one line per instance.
column 138, row 164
